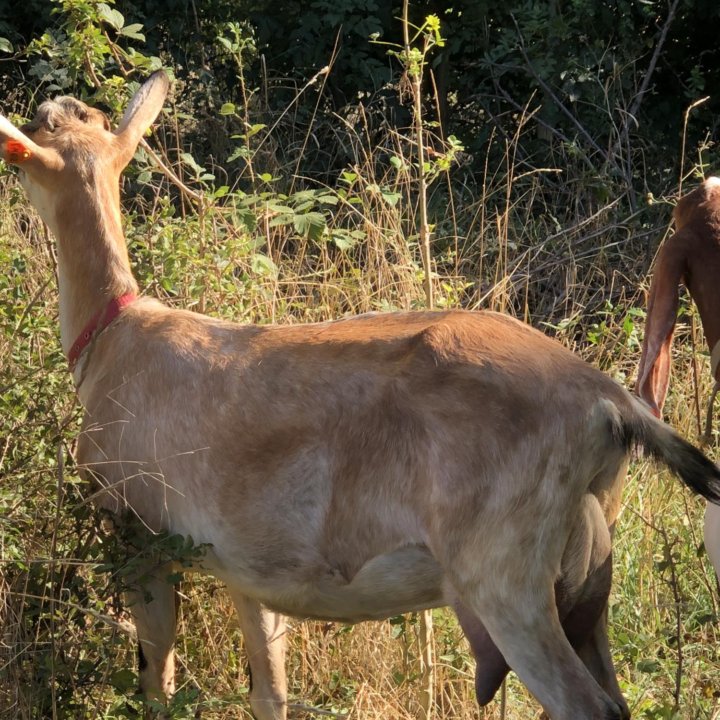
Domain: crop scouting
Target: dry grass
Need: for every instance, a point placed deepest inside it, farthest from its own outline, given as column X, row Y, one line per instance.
column 532, row 242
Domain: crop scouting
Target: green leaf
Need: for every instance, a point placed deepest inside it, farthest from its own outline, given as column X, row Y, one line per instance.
column 254, row 129
column 311, row 224
column 111, row 16
column 188, row 159
column 6, row 45
column 132, row 31
column 304, row 206
column 263, row 265
column 391, row 198
column 123, row 680
column 278, row 208
column 342, row 239
column 239, row 152
column 648, row 666
column 227, row 108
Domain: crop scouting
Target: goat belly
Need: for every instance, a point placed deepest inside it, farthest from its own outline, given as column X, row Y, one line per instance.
column 404, row 580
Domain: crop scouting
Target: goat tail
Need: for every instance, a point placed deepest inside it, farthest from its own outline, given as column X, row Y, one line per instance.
column 640, row 428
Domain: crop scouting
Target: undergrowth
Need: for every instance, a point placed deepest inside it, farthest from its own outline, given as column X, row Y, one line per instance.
column 262, row 244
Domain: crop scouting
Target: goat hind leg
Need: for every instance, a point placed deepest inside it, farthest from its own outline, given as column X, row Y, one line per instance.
column 524, row 625
column 581, row 595
column 264, row 636
column 518, row 609
column 595, row 653
column 586, row 623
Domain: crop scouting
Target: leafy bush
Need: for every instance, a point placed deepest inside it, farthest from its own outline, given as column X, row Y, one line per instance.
column 296, row 198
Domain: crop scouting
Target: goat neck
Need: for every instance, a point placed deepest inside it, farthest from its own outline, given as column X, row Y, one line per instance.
column 70, row 163
column 93, row 264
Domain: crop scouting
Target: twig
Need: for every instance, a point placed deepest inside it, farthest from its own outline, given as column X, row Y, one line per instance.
column 28, row 307
column 696, row 380
column 624, row 134
column 552, row 130
column 547, row 89
column 320, row 73
column 678, row 617
column 635, row 106
column 424, row 229
column 425, row 635
column 53, row 553
column 684, row 139
column 328, row 67
column 197, row 197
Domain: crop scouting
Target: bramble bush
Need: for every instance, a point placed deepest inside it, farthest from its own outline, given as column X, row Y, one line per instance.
column 552, row 152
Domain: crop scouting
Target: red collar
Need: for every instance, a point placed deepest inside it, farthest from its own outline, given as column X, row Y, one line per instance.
column 99, row 321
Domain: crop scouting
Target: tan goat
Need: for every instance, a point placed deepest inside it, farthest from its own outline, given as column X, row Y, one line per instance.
column 346, row 470
column 690, row 256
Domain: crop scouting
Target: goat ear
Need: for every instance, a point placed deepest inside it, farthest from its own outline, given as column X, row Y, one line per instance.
column 18, row 149
column 654, row 367
column 142, row 110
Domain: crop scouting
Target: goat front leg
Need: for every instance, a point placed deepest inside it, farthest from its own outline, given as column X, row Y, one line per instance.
column 153, row 606
column 264, row 635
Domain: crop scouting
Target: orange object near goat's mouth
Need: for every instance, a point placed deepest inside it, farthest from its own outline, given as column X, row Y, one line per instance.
column 16, row 152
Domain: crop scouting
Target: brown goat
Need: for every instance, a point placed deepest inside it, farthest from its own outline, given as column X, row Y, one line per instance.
column 347, row 470
column 690, row 256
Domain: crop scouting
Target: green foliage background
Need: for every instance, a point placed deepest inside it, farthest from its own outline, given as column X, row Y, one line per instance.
column 558, row 135
column 582, row 63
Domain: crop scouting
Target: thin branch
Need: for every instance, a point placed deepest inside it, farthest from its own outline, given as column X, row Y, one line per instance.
column 635, row 106
column 424, row 229
column 624, row 134
column 548, row 90
column 197, row 197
